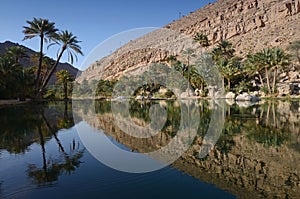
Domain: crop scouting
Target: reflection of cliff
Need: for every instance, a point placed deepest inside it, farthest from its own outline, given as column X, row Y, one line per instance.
column 249, row 169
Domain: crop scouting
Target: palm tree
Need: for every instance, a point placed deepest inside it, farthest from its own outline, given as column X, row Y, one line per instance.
column 202, row 39
column 229, row 69
column 16, row 53
column 279, row 60
column 226, row 49
column 188, row 53
column 46, row 31
column 68, row 42
column 271, row 59
column 64, row 77
column 253, row 66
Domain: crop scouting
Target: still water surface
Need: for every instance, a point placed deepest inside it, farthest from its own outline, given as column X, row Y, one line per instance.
column 257, row 154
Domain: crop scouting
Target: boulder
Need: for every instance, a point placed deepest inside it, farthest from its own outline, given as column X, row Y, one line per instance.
column 230, row 95
column 139, row 97
column 247, row 97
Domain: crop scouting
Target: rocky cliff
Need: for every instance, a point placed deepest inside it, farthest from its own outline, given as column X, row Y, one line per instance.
column 250, row 25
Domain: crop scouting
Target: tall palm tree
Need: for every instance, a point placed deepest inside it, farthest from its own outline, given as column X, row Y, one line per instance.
column 46, row 31
column 64, row 77
column 69, row 43
column 202, row 39
column 16, row 53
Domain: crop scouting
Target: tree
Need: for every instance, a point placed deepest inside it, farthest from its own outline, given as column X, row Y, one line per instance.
column 46, row 31
column 279, row 60
column 16, row 53
column 226, row 62
column 269, row 59
column 202, row 39
column 253, row 66
column 64, row 77
column 69, row 43
column 230, row 69
column 223, row 50
column 188, row 53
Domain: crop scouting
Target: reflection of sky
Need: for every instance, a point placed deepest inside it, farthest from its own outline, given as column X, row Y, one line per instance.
column 114, row 154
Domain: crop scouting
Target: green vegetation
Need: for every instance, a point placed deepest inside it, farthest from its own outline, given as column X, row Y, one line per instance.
column 16, row 81
column 260, row 68
column 237, row 72
column 202, row 39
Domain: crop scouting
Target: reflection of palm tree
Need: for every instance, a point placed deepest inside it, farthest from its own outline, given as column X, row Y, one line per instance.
column 52, row 169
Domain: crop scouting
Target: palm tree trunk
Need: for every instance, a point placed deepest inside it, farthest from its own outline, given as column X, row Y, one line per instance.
column 42, row 143
column 51, row 71
column 268, row 81
column 188, row 76
column 228, row 80
column 66, row 90
column 261, row 79
column 37, row 81
column 274, row 79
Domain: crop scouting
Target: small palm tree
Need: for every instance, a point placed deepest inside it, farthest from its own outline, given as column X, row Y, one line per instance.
column 253, row 66
column 230, row 69
column 279, row 60
column 69, row 43
column 16, row 53
column 46, row 31
column 202, row 39
column 64, row 77
column 226, row 49
column 188, row 53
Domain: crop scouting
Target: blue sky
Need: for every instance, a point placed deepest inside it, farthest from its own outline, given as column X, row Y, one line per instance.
column 92, row 21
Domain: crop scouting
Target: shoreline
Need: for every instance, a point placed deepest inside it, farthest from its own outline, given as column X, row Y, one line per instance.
column 11, row 102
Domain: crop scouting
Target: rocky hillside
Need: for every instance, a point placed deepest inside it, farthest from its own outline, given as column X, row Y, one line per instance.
column 27, row 62
column 250, row 25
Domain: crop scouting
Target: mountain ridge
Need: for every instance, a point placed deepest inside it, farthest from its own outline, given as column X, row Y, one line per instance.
column 250, row 25
column 26, row 62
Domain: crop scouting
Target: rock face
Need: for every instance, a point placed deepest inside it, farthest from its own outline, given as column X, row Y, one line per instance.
column 250, row 25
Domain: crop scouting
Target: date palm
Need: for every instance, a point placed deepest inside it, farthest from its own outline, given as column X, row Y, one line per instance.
column 64, row 77
column 202, row 39
column 230, row 69
column 46, row 31
column 253, row 66
column 69, row 43
column 226, row 49
column 188, row 53
column 16, row 53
